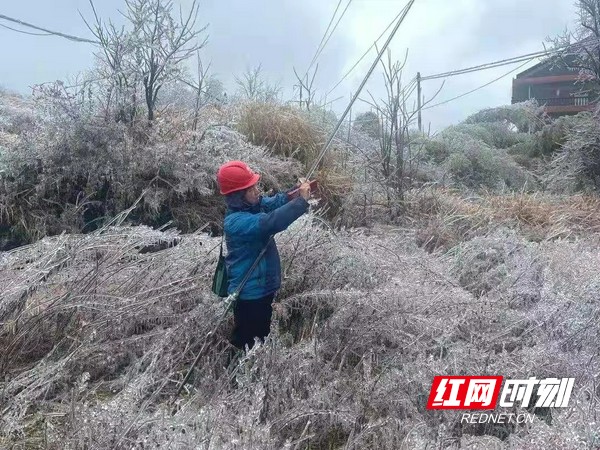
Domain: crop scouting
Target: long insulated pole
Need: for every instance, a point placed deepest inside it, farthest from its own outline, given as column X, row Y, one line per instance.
column 358, row 91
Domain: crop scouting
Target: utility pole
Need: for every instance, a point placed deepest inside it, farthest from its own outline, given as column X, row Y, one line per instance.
column 419, row 105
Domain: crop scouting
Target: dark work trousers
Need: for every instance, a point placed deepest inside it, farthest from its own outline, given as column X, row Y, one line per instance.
column 252, row 319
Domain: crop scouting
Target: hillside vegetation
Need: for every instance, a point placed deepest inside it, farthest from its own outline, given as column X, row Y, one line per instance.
column 473, row 251
column 465, row 274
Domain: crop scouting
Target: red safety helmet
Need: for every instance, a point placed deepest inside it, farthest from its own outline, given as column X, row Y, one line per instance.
column 235, row 176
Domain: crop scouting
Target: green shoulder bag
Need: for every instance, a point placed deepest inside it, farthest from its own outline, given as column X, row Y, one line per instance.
column 220, row 280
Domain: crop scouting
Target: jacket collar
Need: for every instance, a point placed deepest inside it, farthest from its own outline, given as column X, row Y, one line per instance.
column 236, row 203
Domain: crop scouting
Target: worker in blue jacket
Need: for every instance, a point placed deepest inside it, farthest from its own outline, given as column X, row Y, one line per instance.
column 250, row 221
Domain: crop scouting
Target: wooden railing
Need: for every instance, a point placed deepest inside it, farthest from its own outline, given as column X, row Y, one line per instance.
column 564, row 101
column 572, row 104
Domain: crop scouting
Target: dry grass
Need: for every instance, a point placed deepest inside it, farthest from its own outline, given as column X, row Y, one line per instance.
column 282, row 129
column 98, row 330
column 90, row 170
column 447, row 218
column 552, row 216
column 99, row 334
column 291, row 133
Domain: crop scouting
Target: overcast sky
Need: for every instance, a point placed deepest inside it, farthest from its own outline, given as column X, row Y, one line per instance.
column 440, row 35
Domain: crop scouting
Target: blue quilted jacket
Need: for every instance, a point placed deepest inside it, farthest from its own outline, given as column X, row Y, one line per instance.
column 247, row 230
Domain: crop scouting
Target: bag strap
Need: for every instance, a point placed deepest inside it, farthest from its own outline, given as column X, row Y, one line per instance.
column 236, row 293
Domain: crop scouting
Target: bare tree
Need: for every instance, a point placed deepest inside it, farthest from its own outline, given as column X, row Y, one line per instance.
column 393, row 131
column 152, row 52
column 397, row 159
column 252, row 86
column 581, row 47
column 208, row 89
column 116, row 46
column 163, row 43
column 305, row 85
column 251, row 83
column 200, row 88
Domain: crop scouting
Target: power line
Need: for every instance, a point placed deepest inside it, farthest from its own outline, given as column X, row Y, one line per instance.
column 323, row 38
column 510, row 61
column 367, row 52
column 56, row 33
column 525, row 59
column 492, row 65
column 321, row 47
column 362, row 85
column 409, row 88
column 24, row 32
column 478, row 88
column 487, row 66
column 333, row 30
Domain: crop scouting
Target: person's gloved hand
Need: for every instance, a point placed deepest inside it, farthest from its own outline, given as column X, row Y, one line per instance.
column 309, row 188
column 305, row 190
